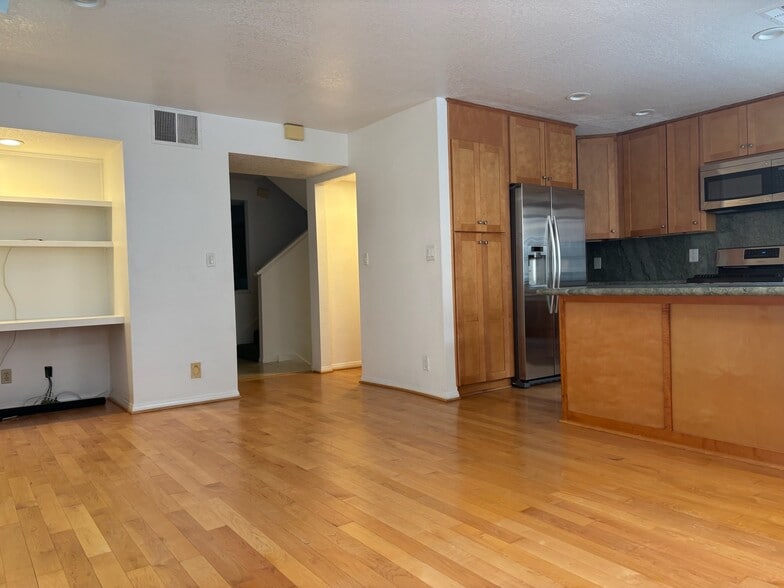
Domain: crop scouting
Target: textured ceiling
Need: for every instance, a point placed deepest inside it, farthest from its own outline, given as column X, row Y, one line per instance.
column 341, row 64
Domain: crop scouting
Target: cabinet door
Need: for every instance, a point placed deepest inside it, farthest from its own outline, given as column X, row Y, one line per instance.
column 597, row 171
column 560, row 156
column 497, row 298
column 492, row 189
column 766, row 125
column 723, row 134
column 527, row 153
column 645, row 181
column 683, row 181
column 469, row 307
column 479, row 188
column 464, row 164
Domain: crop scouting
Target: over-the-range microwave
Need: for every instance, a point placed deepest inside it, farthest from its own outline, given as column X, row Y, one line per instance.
column 728, row 185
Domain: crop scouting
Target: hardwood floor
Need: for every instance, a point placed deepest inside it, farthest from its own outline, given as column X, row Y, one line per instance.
column 315, row 480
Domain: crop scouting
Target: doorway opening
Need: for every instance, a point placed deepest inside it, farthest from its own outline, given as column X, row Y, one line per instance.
column 273, row 206
column 340, row 340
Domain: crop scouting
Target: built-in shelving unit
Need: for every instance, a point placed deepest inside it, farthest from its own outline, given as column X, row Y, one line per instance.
column 42, row 243
column 61, row 323
column 63, row 265
column 55, row 201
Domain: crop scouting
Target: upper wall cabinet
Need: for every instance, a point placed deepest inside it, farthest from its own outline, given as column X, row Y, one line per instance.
column 542, row 153
column 597, row 176
column 683, row 182
column 743, row 130
column 479, row 153
column 644, row 165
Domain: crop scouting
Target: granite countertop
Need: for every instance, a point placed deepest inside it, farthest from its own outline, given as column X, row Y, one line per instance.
column 669, row 289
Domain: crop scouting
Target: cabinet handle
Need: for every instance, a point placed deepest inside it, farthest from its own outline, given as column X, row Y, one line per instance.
column 612, row 230
column 483, row 242
column 662, row 226
column 481, row 222
column 741, row 146
column 749, row 144
column 544, row 177
column 694, row 222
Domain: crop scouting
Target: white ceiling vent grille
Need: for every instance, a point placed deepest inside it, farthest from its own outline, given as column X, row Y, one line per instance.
column 775, row 14
column 175, row 127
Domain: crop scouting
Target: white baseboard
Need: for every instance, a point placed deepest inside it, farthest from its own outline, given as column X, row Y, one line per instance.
column 346, row 365
column 184, row 401
column 454, row 395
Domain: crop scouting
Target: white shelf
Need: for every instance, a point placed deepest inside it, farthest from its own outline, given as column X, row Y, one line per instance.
column 60, row 323
column 55, row 201
column 60, row 244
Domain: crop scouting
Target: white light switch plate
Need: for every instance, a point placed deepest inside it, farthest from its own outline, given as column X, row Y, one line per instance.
column 365, row 259
column 430, row 253
column 694, row 255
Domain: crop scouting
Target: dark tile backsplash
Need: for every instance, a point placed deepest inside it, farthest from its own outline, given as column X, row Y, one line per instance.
column 667, row 258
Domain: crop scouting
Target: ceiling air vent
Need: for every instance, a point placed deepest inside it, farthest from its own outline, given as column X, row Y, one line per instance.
column 175, row 127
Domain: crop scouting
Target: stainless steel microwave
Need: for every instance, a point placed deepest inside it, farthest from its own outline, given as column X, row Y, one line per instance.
column 728, row 185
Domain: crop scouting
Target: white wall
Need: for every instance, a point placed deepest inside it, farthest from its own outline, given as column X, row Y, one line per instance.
column 338, row 274
column 402, row 171
column 285, row 305
column 273, row 222
column 177, row 205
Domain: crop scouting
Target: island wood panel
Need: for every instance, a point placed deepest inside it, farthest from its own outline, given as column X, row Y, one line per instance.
column 726, row 376
column 615, row 361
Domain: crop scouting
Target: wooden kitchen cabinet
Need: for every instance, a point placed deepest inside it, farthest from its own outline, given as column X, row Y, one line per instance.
column 479, row 169
column 542, row 152
column 757, row 127
column 597, row 176
column 477, row 187
column 644, row 172
column 683, row 182
column 483, row 308
column 479, row 153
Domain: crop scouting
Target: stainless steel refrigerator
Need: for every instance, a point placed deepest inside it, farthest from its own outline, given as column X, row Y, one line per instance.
column 548, row 241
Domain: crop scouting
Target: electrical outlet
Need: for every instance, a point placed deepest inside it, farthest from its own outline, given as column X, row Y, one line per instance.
column 210, row 260
column 5, row 377
column 366, row 259
column 47, row 371
column 426, row 363
column 597, row 263
column 694, row 255
column 196, row 370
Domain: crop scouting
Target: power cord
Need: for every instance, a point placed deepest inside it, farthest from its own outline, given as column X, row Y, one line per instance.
column 13, row 304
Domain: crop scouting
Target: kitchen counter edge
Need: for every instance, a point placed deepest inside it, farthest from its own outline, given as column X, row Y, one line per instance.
column 667, row 289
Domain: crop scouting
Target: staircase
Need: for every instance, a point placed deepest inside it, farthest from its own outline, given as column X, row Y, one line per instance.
column 284, row 304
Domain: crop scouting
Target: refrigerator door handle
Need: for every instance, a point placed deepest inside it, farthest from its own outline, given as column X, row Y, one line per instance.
column 557, row 262
column 552, row 267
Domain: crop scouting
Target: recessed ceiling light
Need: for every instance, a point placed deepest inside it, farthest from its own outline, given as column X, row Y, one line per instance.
column 88, row 3
column 768, row 34
column 644, row 112
column 11, row 142
column 578, row 96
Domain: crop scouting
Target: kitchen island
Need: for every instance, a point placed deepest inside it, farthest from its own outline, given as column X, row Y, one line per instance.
column 695, row 364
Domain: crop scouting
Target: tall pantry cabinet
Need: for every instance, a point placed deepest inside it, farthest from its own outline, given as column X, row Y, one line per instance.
column 479, row 160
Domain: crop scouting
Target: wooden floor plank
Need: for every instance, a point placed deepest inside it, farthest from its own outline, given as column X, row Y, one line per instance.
column 317, row 480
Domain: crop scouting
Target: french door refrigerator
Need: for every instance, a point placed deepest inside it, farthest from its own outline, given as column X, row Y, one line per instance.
column 548, row 241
